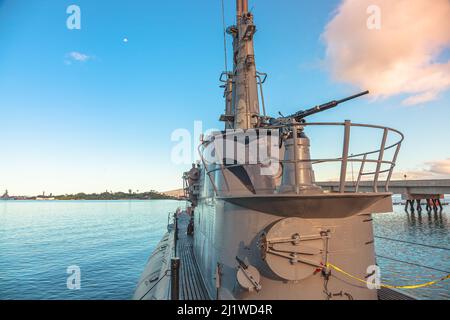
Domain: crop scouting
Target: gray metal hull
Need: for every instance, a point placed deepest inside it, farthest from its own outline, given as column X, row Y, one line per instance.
column 224, row 231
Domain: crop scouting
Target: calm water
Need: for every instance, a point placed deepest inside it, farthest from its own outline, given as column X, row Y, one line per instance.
column 111, row 241
column 432, row 229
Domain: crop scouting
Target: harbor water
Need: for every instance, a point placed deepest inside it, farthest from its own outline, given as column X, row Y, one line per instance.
column 110, row 242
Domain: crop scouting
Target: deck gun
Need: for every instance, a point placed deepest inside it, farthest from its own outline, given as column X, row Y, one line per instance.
column 300, row 115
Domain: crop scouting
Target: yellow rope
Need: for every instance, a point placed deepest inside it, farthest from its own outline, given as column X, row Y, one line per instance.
column 329, row 265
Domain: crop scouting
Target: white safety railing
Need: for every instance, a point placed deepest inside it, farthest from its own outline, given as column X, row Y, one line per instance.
column 344, row 159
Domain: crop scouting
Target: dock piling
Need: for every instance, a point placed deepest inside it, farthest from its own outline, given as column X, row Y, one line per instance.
column 419, row 205
column 432, row 202
column 440, row 204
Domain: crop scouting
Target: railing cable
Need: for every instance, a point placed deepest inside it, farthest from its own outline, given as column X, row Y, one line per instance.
column 413, row 264
column 414, row 243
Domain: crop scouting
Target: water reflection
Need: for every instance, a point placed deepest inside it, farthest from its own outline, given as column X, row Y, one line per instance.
column 434, row 219
column 424, row 242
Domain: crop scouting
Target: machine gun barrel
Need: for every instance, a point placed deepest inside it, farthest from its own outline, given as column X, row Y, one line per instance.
column 303, row 114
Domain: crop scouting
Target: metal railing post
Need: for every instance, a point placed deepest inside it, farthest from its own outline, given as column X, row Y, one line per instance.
column 394, row 160
column 347, row 126
column 260, row 83
column 295, row 131
column 380, row 158
column 361, row 172
column 208, row 172
column 221, row 156
column 175, row 278
column 175, row 231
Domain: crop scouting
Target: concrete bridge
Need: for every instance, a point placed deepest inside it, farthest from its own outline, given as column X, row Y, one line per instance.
column 404, row 187
column 411, row 190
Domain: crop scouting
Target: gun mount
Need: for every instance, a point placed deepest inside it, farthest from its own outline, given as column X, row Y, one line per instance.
column 301, row 115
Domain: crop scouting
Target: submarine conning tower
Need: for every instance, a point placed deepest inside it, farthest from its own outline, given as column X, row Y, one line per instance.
column 242, row 106
column 273, row 234
column 259, row 226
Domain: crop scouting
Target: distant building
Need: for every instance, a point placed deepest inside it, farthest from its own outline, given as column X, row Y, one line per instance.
column 5, row 196
column 45, row 198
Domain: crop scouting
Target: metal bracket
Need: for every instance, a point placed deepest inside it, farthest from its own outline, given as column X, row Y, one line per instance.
column 249, row 276
column 249, row 32
column 245, row 269
column 268, row 246
column 249, row 60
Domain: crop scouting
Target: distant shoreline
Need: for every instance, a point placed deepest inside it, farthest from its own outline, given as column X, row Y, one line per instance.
column 105, row 196
column 58, row 200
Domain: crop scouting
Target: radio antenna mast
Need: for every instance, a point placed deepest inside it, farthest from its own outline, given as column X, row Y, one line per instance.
column 224, row 37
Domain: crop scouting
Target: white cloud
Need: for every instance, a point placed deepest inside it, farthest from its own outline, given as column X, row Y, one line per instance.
column 400, row 58
column 437, row 169
column 77, row 56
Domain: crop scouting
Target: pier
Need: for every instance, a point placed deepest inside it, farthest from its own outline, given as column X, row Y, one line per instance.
column 406, row 187
column 415, row 192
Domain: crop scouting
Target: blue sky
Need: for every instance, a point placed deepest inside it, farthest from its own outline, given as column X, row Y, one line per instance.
column 105, row 123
